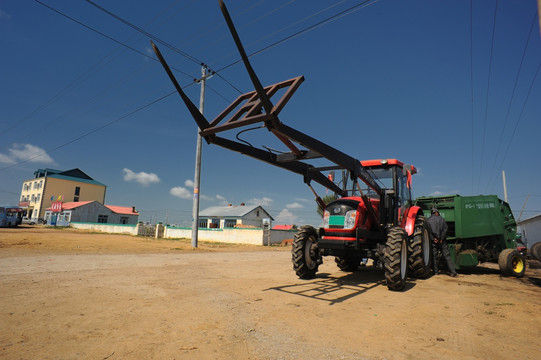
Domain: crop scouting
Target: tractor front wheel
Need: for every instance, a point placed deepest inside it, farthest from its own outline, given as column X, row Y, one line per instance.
column 395, row 258
column 512, row 263
column 305, row 253
column 420, row 250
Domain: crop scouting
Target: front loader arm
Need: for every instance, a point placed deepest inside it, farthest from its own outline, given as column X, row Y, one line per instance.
column 256, row 107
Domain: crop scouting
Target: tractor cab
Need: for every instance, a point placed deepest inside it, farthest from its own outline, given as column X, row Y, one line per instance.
column 366, row 208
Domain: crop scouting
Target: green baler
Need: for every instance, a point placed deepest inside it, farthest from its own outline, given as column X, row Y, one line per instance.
column 481, row 229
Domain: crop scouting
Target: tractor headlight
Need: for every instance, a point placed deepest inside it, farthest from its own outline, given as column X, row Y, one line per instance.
column 349, row 219
column 326, row 216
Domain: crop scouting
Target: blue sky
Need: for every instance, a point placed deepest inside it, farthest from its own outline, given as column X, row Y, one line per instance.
column 392, row 79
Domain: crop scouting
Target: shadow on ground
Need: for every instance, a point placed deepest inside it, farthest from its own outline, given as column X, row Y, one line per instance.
column 338, row 288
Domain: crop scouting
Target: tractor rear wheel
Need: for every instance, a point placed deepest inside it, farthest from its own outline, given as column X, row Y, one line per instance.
column 347, row 263
column 395, row 258
column 420, row 250
column 305, row 253
column 512, row 263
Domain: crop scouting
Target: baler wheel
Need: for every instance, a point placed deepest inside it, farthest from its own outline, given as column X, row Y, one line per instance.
column 305, row 253
column 535, row 251
column 512, row 263
column 420, row 250
column 395, row 258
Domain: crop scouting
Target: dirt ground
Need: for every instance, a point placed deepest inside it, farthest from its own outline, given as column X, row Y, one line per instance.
column 67, row 294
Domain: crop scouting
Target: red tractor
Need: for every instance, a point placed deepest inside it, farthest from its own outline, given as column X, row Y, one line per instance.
column 375, row 220
column 380, row 224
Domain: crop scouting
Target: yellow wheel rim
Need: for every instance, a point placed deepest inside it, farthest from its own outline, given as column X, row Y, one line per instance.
column 518, row 265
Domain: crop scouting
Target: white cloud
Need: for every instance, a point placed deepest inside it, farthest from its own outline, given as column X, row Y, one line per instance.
column 189, row 183
column 294, row 205
column 264, row 201
column 26, row 152
column 436, row 193
column 142, row 177
column 4, row 159
column 220, row 197
column 286, row 217
column 181, row 192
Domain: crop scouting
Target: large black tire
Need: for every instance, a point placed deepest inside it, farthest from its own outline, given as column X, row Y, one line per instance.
column 420, row 250
column 347, row 263
column 305, row 253
column 395, row 259
column 512, row 263
column 535, row 251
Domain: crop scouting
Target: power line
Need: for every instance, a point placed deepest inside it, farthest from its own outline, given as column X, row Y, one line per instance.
column 471, row 89
column 146, row 33
column 107, row 36
column 305, row 30
column 99, row 65
column 511, row 99
column 312, row 27
column 488, row 93
column 520, row 116
column 93, row 130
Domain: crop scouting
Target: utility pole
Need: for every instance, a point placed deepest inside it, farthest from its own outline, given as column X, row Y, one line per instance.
column 197, row 181
column 504, row 187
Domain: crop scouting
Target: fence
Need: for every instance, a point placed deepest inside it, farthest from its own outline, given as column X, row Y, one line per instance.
column 254, row 236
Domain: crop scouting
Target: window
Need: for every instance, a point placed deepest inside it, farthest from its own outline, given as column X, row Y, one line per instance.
column 38, row 197
column 102, row 219
column 124, row 219
column 230, row 223
column 203, row 223
column 77, row 191
column 75, row 199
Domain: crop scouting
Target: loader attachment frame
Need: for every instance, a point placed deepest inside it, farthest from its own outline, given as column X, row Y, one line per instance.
column 256, row 107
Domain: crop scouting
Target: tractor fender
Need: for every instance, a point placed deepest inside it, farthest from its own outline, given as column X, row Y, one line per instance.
column 408, row 222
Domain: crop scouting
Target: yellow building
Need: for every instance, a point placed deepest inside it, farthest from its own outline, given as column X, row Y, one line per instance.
column 49, row 185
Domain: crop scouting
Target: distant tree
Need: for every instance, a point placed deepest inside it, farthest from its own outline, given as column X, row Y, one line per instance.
column 326, row 199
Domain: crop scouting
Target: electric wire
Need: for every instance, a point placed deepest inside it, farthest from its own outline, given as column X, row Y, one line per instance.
column 472, row 101
column 109, row 37
column 511, row 100
column 146, row 33
column 325, row 21
column 519, row 117
column 79, row 80
column 84, row 135
column 312, row 27
column 487, row 96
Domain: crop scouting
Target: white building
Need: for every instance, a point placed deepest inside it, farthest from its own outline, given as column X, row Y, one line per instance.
column 224, row 217
column 530, row 230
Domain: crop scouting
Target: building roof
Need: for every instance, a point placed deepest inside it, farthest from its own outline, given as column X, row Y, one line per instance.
column 283, row 227
column 530, row 219
column 73, row 205
column 126, row 210
column 70, row 175
column 230, row 211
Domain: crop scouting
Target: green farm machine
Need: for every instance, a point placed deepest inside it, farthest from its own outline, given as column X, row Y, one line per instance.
column 481, row 229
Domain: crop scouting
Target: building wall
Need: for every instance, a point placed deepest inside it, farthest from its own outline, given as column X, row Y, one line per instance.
column 531, row 231
column 32, row 192
column 66, row 188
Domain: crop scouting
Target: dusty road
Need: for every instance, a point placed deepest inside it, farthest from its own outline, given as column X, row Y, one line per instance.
column 73, row 295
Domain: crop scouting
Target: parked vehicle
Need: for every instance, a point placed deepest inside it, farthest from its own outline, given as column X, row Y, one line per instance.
column 9, row 216
column 28, row 221
column 481, row 229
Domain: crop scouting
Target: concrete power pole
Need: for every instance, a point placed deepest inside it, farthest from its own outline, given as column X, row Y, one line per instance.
column 504, row 187
column 197, row 181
